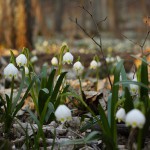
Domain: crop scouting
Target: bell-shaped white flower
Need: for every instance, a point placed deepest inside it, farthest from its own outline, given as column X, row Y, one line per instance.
column 21, row 60
column 78, row 67
column 93, row 64
column 108, row 60
column 54, row 61
column 120, row 115
column 134, row 88
column 26, row 70
column 135, row 118
column 68, row 58
column 10, row 71
column 63, row 113
column 34, row 59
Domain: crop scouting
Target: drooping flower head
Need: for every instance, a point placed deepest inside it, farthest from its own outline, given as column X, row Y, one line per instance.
column 120, row 115
column 10, row 71
column 135, row 118
column 63, row 113
column 78, row 67
column 93, row 64
column 68, row 58
column 21, row 60
column 54, row 61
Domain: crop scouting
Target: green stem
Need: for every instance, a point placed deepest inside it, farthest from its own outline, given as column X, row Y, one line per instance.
column 12, row 88
column 139, row 141
column 97, row 78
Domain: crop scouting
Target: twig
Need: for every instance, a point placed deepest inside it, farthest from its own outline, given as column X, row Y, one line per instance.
column 92, row 38
column 136, row 43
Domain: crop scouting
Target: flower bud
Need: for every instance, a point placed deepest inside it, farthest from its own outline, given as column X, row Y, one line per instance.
column 63, row 113
column 93, row 64
column 10, row 71
column 78, row 67
column 21, row 60
column 68, row 58
column 120, row 115
column 54, row 61
column 135, row 118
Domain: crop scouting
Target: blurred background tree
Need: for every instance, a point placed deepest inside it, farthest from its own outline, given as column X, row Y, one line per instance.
column 23, row 21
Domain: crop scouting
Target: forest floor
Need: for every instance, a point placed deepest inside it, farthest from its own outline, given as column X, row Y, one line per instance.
column 45, row 50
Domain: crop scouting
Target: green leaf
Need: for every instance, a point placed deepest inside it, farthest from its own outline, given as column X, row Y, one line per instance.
column 128, row 104
column 20, row 90
column 127, row 82
column 50, row 82
column 104, row 120
column 95, row 135
column 19, row 106
column 49, row 111
column 12, row 58
column 44, row 76
column 42, row 98
column 115, row 90
column 144, row 80
column 109, row 108
column 57, row 87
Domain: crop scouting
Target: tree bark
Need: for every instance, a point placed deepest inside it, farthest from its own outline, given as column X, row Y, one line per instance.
column 59, row 14
column 112, row 16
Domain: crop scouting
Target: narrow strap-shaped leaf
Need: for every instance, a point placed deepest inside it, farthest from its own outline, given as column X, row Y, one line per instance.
column 19, row 106
column 144, row 80
column 127, row 82
column 50, row 110
column 128, row 104
column 44, row 76
column 42, row 98
column 115, row 90
column 109, row 108
column 104, row 120
column 50, row 82
column 57, row 102
column 20, row 90
column 57, row 87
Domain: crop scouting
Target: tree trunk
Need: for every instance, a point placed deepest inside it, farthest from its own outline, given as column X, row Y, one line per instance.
column 112, row 16
column 59, row 14
column 23, row 24
column 16, row 26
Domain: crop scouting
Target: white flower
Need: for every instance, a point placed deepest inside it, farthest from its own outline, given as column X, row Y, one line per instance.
column 54, row 61
column 93, row 64
column 99, row 64
column 45, row 43
column 21, row 60
column 134, row 88
column 26, row 70
column 10, row 71
column 112, row 59
column 135, row 118
column 108, row 59
column 121, row 114
column 68, row 58
column 63, row 113
column 78, row 67
column 118, row 58
column 34, row 59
